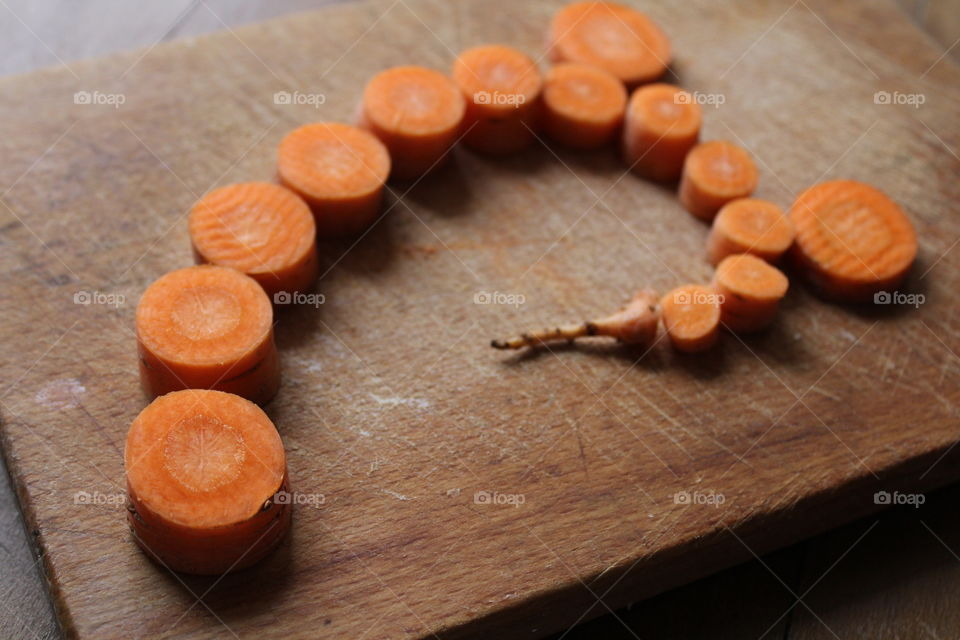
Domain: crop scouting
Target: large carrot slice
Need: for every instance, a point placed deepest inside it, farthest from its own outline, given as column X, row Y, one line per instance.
column 715, row 173
column 203, row 468
column 750, row 225
column 583, row 105
column 852, row 240
column 417, row 113
column 691, row 316
column 611, row 36
column 662, row 126
column 751, row 290
column 207, row 327
column 339, row 170
column 501, row 86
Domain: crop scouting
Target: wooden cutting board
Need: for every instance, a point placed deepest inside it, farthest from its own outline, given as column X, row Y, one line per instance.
column 456, row 490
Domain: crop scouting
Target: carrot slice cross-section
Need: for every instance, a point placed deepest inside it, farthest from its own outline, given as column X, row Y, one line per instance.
column 583, row 105
column 662, row 125
column 691, row 316
column 714, row 173
column 750, row 225
column 750, row 290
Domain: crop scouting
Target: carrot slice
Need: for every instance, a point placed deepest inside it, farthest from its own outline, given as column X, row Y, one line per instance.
column 207, row 327
column 750, row 225
column 691, row 316
column 583, row 105
column 751, row 290
column 339, row 170
column 852, row 240
column 417, row 113
column 611, row 36
column 662, row 126
column 715, row 173
column 501, row 86
column 202, row 469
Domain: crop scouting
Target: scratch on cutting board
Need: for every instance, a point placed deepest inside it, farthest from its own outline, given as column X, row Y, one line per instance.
column 398, row 496
column 61, row 394
column 393, row 401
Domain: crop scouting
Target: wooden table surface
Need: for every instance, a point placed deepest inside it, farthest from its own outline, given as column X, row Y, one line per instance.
column 888, row 576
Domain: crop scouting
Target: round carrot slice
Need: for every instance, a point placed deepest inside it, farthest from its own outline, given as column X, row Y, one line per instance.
column 417, row 113
column 751, row 290
column 501, row 86
column 339, row 170
column 583, row 105
column 662, row 126
column 611, row 36
column 750, row 225
column 202, row 469
column 691, row 316
column 714, row 173
column 852, row 240
column 207, row 327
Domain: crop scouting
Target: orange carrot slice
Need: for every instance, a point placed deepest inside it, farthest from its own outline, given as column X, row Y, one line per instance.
column 501, row 86
column 691, row 316
column 203, row 468
column 339, row 170
column 852, row 240
column 207, row 327
column 662, row 126
column 750, row 225
column 715, row 173
column 583, row 105
column 417, row 113
column 611, row 36
column 751, row 290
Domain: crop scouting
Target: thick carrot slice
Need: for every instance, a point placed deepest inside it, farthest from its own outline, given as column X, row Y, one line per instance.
column 691, row 316
column 203, row 468
column 417, row 113
column 611, row 36
column 339, row 170
column 501, row 86
column 852, row 240
column 583, row 105
column 751, row 290
column 715, row 173
column 207, row 327
column 750, row 225
column 662, row 126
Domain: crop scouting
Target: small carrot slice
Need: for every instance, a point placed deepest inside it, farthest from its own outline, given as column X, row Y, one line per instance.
column 583, row 105
column 611, row 36
column 207, row 327
column 691, row 316
column 417, row 113
column 751, row 290
column 662, row 125
column 339, row 170
column 202, row 469
column 852, row 240
column 501, row 86
column 714, row 173
column 750, row 225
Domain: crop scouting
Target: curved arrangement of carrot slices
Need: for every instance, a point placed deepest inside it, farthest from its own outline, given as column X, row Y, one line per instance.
column 207, row 327
column 261, row 229
column 691, row 316
column 714, row 173
column 417, row 114
column 611, row 36
column 750, row 225
column 661, row 126
column 339, row 170
column 501, row 86
column 751, row 290
column 582, row 105
column 202, row 469
column 852, row 240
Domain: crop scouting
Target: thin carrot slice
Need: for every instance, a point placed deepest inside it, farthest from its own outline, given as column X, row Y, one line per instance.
column 691, row 316
column 750, row 225
column 417, row 113
column 750, row 290
column 501, row 86
column 339, row 170
column 202, row 469
column 852, row 240
column 662, row 126
column 207, row 327
column 715, row 173
column 611, row 36
column 583, row 105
